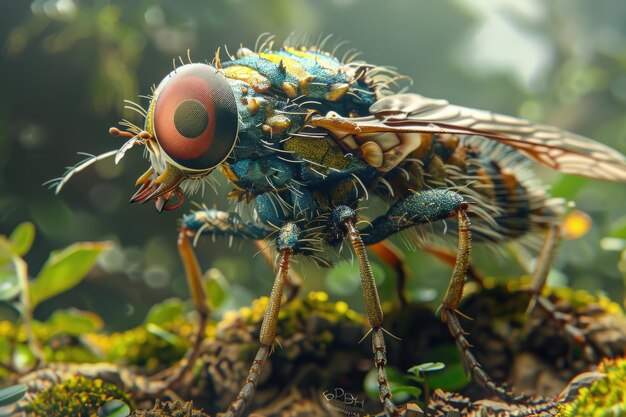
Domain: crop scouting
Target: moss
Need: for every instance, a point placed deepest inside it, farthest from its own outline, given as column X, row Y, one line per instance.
column 576, row 298
column 318, row 335
column 76, row 397
column 170, row 409
column 150, row 347
column 604, row 397
column 293, row 316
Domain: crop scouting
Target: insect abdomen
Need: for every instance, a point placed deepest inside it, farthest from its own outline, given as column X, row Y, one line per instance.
column 508, row 201
column 505, row 187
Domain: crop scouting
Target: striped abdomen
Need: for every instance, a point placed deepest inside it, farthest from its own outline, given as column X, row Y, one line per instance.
column 508, row 201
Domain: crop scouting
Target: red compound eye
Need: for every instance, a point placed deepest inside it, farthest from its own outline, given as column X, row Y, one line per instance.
column 195, row 117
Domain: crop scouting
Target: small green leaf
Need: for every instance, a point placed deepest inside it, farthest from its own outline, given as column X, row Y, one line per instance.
column 10, row 310
column 427, row 367
column 159, row 331
column 9, row 284
column 452, row 378
column 22, row 238
column 165, row 311
column 409, row 390
column 215, row 292
column 73, row 322
column 6, row 251
column 343, row 279
column 114, row 408
column 65, row 269
column 12, row 394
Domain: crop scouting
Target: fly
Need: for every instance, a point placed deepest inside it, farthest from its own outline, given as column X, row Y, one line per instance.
column 305, row 138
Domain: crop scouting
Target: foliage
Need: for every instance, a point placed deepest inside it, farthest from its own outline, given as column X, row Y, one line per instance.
column 77, row 397
column 114, row 408
column 604, row 397
column 64, row 269
column 76, row 336
column 151, row 346
column 12, row 394
column 416, row 386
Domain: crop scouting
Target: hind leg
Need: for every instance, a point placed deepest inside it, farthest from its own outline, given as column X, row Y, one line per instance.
column 544, row 263
column 450, row 314
column 538, row 282
column 422, row 208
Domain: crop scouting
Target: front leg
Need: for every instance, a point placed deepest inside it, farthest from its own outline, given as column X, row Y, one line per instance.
column 212, row 222
column 215, row 223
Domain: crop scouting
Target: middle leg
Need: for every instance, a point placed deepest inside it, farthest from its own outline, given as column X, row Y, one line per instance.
column 286, row 242
column 345, row 217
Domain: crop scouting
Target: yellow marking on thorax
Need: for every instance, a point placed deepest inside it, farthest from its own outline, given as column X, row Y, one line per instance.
column 248, row 75
column 292, row 66
column 325, row 62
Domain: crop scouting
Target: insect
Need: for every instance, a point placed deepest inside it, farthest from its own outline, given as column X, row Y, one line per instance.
column 307, row 139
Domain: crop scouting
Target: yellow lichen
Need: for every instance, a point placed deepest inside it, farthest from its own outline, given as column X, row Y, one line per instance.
column 604, row 397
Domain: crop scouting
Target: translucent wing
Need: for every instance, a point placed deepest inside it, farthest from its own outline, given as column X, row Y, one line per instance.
column 548, row 145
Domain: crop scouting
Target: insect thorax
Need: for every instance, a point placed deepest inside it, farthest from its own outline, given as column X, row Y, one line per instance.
column 293, row 171
column 276, row 153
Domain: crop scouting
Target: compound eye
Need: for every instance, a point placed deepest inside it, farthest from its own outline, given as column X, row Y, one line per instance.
column 195, row 117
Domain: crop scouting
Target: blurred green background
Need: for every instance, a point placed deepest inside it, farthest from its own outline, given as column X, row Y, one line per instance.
column 67, row 66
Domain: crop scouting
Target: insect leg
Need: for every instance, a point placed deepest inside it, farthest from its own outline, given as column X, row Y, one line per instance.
column 424, row 207
column 198, row 295
column 449, row 312
column 213, row 222
column 286, row 242
column 543, row 263
column 294, row 281
column 345, row 217
column 539, row 277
